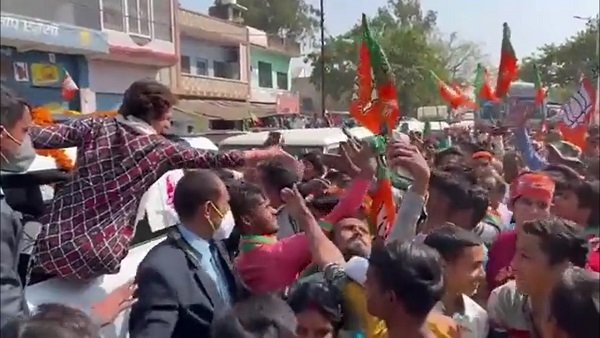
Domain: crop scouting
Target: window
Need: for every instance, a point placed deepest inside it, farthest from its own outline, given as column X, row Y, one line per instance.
column 112, row 14
column 162, row 19
column 220, row 69
column 265, row 75
column 147, row 18
column 138, row 17
column 201, row 66
column 185, row 64
column 282, row 81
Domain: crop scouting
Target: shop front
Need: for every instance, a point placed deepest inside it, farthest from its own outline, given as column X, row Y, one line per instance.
column 36, row 55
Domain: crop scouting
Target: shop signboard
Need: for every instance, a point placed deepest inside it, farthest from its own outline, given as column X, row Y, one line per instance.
column 20, row 29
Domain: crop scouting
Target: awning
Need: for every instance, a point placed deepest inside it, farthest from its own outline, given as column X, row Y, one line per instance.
column 226, row 110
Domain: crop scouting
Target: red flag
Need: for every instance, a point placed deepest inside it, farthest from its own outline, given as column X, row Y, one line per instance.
column 68, row 87
column 508, row 70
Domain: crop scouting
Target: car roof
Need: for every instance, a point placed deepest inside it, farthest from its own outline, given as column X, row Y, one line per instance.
column 307, row 137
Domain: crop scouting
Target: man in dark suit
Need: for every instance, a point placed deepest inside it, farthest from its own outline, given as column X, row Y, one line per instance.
column 188, row 279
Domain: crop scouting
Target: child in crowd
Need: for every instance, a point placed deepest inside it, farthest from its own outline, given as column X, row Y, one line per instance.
column 545, row 248
column 463, row 253
column 530, row 198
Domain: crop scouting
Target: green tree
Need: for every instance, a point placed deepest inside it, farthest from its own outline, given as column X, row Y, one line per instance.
column 561, row 64
column 408, row 36
column 404, row 31
column 294, row 19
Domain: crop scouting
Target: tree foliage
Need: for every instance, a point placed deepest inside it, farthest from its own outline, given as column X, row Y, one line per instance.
column 413, row 45
column 561, row 64
column 294, row 19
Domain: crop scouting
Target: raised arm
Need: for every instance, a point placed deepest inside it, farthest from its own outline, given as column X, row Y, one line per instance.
column 407, row 156
column 181, row 156
column 352, row 199
column 523, row 143
column 361, row 166
column 61, row 135
column 322, row 249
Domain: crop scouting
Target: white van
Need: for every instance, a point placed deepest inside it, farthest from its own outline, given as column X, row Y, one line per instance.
column 149, row 232
column 298, row 141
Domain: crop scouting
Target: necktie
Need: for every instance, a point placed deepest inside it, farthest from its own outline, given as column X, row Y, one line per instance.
column 221, row 279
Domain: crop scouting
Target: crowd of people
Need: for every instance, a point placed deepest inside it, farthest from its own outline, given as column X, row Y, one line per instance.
column 495, row 235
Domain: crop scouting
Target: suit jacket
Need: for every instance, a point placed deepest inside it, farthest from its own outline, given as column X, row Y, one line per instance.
column 176, row 297
column 12, row 297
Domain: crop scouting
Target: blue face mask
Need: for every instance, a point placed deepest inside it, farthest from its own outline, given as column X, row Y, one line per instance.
column 22, row 159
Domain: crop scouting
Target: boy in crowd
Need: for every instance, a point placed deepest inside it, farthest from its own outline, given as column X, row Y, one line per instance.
column 575, row 198
column 530, row 198
column 574, row 307
column 463, row 255
column 545, row 248
column 404, row 282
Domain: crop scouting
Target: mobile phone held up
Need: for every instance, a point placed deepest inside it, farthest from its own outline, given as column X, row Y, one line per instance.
column 400, row 171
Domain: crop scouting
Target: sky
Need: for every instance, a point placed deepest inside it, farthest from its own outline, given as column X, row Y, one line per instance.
column 533, row 22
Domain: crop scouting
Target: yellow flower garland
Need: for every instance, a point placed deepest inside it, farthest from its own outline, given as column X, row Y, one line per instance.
column 43, row 116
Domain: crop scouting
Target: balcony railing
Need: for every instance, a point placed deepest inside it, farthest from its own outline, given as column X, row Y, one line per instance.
column 287, row 46
column 212, row 87
column 204, row 26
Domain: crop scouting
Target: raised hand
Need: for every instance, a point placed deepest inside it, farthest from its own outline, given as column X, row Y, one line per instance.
column 293, row 200
column 408, row 156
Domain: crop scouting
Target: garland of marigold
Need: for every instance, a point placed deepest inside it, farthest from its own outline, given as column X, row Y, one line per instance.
column 43, row 116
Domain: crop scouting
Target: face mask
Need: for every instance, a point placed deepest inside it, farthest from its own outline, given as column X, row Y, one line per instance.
column 21, row 161
column 224, row 228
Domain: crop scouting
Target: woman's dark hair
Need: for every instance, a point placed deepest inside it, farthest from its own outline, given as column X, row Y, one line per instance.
column 441, row 155
column 264, row 316
column 574, row 303
column 12, row 107
column 324, row 202
column 321, row 296
column 52, row 321
column 67, row 317
column 450, row 241
column 413, row 271
column 560, row 240
column 316, row 159
column 588, row 196
column 147, row 99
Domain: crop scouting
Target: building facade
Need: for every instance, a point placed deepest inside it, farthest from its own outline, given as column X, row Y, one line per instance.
column 270, row 80
column 41, row 44
column 212, row 73
column 141, row 44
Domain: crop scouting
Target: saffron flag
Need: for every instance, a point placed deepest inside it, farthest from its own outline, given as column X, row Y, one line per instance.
column 576, row 114
column 452, row 95
column 68, row 87
column 540, row 93
column 374, row 102
column 508, row 70
column 375, row 106
column 483, row 88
